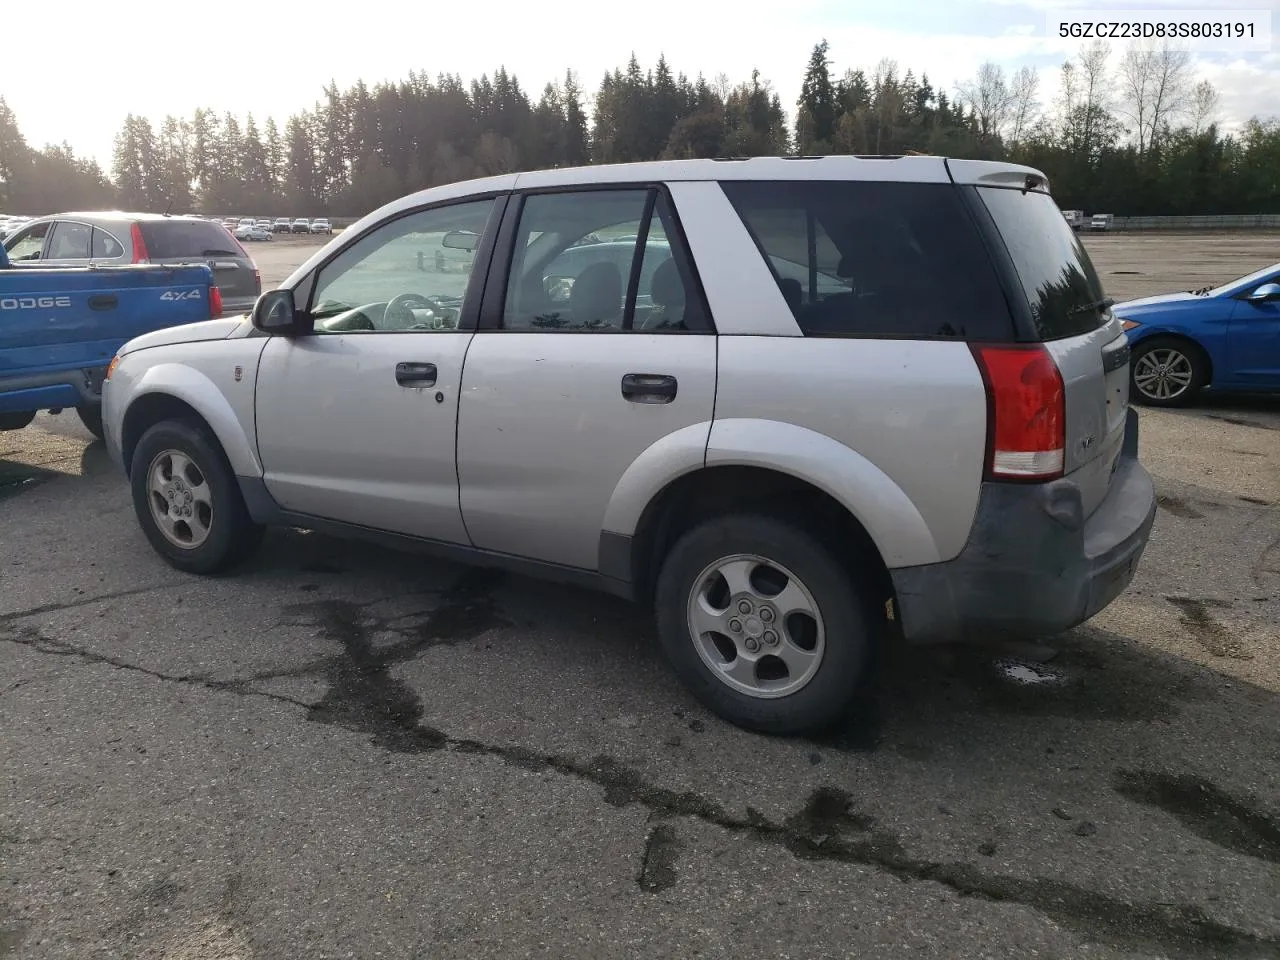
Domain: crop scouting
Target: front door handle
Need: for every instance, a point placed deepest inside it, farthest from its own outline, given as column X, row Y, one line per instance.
column 104, row 301
column 416, row 374
column 649, row 388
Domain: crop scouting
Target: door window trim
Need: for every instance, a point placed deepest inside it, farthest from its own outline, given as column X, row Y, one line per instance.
column 493, row 303
column 469, row 316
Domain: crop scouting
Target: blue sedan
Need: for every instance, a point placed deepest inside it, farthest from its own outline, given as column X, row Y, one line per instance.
column 1225, row 338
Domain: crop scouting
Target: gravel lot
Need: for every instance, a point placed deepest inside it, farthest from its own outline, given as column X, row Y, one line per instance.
column 345, row 752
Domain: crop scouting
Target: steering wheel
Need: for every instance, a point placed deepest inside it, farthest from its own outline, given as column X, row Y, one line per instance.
column 398, row 315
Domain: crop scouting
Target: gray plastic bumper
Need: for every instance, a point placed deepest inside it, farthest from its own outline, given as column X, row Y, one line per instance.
column 1033, row 566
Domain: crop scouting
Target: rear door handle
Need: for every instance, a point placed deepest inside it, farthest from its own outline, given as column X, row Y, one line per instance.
column 416, row 374
column 104, row 301
column 649, row 387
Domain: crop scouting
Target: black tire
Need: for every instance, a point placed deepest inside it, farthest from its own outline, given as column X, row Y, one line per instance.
column 853, row 620
column 91, row 417
column 16, row 421
column 232, row 536
column 1195, row 360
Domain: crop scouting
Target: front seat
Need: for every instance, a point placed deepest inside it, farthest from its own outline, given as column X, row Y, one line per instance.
column 596, row 298
column 667, row 290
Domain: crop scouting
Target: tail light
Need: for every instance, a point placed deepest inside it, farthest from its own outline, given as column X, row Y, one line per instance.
column 215, row 303
column 1026, row 410
column 140, row 254
column 257, row 280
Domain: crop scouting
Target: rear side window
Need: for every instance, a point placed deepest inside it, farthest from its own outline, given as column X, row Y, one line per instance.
column 1055, row 272
column 865, row 259
column 175, row 239
column 105, row 246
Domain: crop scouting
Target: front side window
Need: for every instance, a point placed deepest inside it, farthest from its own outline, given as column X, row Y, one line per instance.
column 870, row 259
column 408, row 275
column 70, row 241
column 601, row 260
column 27, row 244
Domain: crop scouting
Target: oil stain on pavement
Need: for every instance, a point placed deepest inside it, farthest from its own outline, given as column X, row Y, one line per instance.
column 1225, row 821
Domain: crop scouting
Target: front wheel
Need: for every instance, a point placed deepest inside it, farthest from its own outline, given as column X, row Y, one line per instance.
column 187, row 499
column 1166, row 372
column 16, row 421
column 765, row 624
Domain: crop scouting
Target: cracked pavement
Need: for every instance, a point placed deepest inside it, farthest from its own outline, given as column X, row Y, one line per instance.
column 346, row 752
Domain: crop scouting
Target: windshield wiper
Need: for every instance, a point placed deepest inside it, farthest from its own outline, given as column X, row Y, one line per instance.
column 1102, row 304
column 217, row 253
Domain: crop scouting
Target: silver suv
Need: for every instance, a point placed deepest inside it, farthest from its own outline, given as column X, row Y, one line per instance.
column 803, row 407
column 105, row 238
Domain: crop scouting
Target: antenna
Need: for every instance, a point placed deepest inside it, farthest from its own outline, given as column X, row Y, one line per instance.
column 168, row 207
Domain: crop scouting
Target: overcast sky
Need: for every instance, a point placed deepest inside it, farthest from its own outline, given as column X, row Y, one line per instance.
column 72, row 69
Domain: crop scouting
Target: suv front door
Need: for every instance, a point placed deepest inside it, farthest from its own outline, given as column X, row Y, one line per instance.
column 357, row 421
column 584, row 361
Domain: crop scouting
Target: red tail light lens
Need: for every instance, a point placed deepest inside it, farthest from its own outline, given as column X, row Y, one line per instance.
column 1026, row 402
column 140, row 254
column 215, row 303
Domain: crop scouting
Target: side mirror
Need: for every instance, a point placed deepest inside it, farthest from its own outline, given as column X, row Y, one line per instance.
column 461, row 240
column 276, row 313
column 1265, row 293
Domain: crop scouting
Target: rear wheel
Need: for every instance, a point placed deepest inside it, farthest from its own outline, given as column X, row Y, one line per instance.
column 765, row 624
column 91, row 417
column 1167, row 372
column 187, row 499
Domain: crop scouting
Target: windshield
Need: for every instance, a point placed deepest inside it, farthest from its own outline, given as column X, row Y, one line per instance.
column 1055, row 272
column 1258, row 276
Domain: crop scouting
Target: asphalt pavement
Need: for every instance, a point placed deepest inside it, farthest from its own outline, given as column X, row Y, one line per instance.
column 341, row 751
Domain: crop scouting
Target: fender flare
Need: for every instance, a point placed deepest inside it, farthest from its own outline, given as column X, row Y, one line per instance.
column 195, row 389
column 662, row 462
column 893, row 522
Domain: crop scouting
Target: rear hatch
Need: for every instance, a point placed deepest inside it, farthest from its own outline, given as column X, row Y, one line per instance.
column 178, row 240
column 1071, row 317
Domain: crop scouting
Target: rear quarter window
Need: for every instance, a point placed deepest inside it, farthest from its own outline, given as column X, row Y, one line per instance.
column 174, row 239
column 1054, row 270
column 866, row 259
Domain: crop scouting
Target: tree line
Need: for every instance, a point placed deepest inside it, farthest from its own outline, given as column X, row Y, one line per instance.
column 1131, row 134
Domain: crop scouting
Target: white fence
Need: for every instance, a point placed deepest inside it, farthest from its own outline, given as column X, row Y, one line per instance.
column 1263, row 221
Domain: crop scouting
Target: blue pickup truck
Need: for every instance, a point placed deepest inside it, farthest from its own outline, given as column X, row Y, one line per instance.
column 60, row 327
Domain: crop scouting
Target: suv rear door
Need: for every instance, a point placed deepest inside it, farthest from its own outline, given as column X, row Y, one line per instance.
column 1060, row 293
column 581, row 365
column 183, row 240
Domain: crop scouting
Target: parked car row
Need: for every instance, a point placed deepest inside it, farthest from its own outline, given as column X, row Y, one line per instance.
column 320, row 225
column 11, row 224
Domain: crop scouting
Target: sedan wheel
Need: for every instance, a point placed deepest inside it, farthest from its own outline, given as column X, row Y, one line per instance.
column 1166, row 373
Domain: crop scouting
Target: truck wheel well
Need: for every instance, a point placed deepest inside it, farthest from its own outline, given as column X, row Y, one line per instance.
column 146, row 412
column 715, row 491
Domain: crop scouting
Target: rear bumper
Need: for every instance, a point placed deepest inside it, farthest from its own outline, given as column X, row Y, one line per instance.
column 1033, row 566
column 51, row 391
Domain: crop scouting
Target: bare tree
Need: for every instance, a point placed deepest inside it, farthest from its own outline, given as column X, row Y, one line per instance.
column 1025, row 106
column 1156, row 86
column 990, row 98
column 1204, row 106
column 722, row 86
